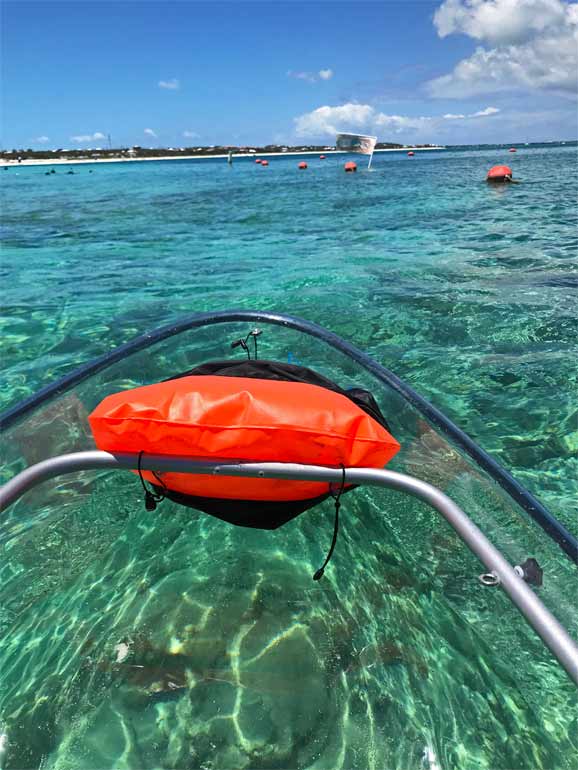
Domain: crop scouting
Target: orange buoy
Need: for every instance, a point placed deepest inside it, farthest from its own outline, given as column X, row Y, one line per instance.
column 410, row 154
column 258, row 160
column 303, row 164
column 499, row 174
column 322, row 157
column 512, row 149
column 350, row 166
column 264, row 162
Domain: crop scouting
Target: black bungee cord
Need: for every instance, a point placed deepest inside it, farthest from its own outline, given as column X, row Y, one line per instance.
column 319, row 574
column 243, row 343
column 151, row 498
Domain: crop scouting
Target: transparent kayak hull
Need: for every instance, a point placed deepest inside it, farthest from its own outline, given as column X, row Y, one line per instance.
column 131, row 638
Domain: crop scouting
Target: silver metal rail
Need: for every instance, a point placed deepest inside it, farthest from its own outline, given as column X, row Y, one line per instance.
column 552, row 633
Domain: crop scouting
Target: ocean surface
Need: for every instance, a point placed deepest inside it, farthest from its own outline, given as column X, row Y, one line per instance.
column 467, row 291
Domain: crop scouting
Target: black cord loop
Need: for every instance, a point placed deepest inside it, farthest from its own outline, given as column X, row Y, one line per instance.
column 319, row 574
column 151, row 498
column 254, row 333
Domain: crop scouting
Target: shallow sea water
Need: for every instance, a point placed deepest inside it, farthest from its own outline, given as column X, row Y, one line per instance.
column 466, row 291
column 234, row 658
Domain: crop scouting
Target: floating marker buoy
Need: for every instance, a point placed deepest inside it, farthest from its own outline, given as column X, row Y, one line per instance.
column 350, row 166
column 410, row 154
column 499, row 174
column 303, row 164
column 512, row 149
column 322, row 157
column 264, row 162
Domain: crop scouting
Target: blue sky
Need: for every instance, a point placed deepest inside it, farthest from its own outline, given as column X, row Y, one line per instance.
column 194, row 73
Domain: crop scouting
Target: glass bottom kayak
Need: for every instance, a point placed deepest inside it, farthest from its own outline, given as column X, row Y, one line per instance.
column 145, row 639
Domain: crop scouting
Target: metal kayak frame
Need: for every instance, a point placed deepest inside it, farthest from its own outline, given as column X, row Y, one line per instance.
column 552, row 633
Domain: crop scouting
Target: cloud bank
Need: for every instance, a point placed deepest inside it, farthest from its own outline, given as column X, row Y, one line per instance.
column 532, row 44
column 327, row 121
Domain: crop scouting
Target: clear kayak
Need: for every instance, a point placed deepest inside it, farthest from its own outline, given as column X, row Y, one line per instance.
column 441, row 635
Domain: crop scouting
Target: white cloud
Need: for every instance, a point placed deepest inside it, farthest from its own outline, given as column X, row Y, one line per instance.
column 190, row 134
column 535, row 46
column 172, row 85
column 83, row 138
column 41, row 139
column 327, row 121
column 499, row 22
column 483, row 113
column 331, row 120
column 308, row 76
column 311, row 77
column 399, row 123
column 150, row 132
column 479, row 114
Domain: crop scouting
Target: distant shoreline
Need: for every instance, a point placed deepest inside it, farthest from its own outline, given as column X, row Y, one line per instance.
column 78, row 161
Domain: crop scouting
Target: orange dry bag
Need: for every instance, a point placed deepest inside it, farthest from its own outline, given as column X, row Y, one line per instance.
column 254, row 411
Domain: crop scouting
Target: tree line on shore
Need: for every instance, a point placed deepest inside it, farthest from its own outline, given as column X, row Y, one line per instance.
column 155, row 152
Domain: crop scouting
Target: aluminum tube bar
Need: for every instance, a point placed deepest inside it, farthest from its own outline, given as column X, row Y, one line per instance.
column 538, row 616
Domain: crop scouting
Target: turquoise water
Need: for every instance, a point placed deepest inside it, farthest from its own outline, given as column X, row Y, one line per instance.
column 466, row 291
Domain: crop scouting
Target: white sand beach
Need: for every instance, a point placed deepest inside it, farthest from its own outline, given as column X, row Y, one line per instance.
column 122, row 159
